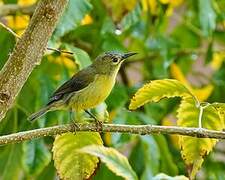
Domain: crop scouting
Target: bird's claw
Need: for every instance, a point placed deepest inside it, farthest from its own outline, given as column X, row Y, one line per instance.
column 75, row 126
column 99, row 125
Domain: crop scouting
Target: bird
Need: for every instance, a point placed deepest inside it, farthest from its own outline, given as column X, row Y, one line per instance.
column 88, row 87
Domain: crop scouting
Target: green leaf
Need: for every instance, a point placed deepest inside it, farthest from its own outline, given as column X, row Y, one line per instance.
column 105, row 173
column 209, row 54
column 81, row 57
column 48, row 173
column 193, row 149
column 7, row 43
column 70, row 163
column 108, row 26
column 36, row 156
column 167, row 163
column 72, row 16
column 157, row 90
column 131, row 18
column 190, row 40
column 112, row 43
column 207, row 17
column 162, row 176
column 114, row 160
column 151, row 157
column 119, row 93
column 12, row 163
column 220, row 107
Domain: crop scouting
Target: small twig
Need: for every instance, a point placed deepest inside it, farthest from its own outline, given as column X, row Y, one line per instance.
column 119, row 128
column 59, row 50
column 10, row 30
column 18, row 37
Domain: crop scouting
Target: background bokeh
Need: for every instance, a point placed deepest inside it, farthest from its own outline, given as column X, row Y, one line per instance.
column 184, row 40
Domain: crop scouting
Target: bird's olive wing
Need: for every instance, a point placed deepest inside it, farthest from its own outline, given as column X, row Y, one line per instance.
column 79, row 81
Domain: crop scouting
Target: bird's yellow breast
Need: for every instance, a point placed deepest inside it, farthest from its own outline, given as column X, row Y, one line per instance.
column 94, row 94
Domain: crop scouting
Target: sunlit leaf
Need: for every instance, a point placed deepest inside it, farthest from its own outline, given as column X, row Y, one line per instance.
column 114, row 160
column 124, row 7
column 162, row 176
column 193, row 149
column 202, row 93
column 217, row 60
column 70, row 163
column 157, row 90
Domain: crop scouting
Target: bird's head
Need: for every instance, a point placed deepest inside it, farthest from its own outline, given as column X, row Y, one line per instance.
column 110, row 62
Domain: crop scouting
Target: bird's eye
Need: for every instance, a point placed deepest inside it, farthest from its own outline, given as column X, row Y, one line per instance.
column 115, row 60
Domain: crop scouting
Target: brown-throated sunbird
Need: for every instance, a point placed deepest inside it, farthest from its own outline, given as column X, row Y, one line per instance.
column 88, row 87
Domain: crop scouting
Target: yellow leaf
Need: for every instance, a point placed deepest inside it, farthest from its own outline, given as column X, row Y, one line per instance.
column 26, row 2
column 217, row 60
column 176, row 3
column 144, row 5
column 170, row 120
column 220, row 107
column 18, row 23
column 64, row 60
column 202, row 94
column 164, row 1
column 151, row 5
column 113, row 159
column 193, row 149
column 70, row 163
column 178, row 74
column 87, row 20
column 157, row 90
column 172, row 2
column 119, row 8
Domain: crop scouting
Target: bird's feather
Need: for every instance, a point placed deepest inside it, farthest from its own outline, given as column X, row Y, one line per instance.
column 79, row 81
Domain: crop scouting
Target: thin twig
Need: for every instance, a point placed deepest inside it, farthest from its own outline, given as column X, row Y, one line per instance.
column 118, row 128
column 18, row 37
column 10, row 30
column 59, row 50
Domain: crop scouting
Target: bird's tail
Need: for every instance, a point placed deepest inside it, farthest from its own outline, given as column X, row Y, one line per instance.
column 38, row 114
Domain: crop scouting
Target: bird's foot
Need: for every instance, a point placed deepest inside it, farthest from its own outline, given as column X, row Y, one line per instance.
column 99, row 125
column 75, row 126
column 97, row 122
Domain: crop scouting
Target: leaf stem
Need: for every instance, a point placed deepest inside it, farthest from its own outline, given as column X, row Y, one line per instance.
column 201, row 107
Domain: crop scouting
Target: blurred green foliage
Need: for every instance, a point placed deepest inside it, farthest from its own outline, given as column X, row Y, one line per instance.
column 177, row 39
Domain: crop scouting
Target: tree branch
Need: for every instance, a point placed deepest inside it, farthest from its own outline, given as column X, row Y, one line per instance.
column 28, row 51
column 14, row 9
column 119, row 128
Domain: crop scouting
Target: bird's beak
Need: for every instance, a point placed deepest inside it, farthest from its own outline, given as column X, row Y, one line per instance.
column 126, row 55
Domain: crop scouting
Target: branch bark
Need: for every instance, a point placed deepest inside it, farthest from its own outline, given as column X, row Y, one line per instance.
column 119, row 128
column 14, row 9
column 28, row 51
